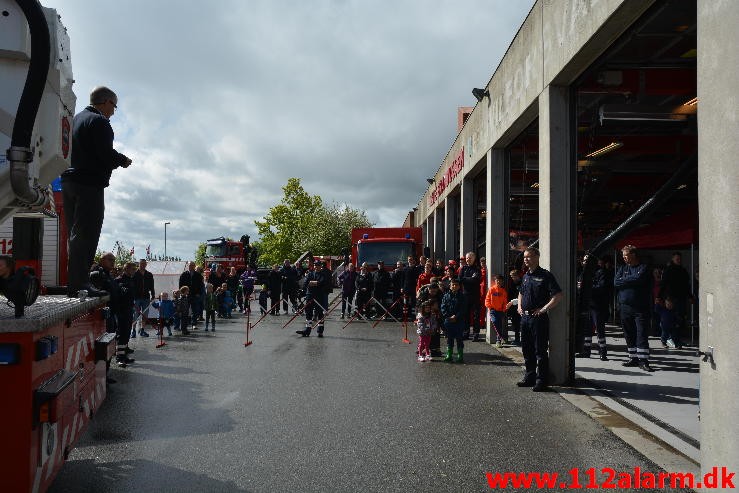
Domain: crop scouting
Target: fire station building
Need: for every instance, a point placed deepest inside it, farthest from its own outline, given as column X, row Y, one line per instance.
column 603, row 116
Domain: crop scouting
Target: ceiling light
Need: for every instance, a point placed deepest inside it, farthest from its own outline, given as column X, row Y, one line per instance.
column 535, row 185
column 683, row 186
column 692, row 102
column 604, row 150
column 639, row 112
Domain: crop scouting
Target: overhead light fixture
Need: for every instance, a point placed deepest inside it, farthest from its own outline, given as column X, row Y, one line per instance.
column 692, row 102
column 683, row 186
column 480, row 93
column 535, row 185
column 604, row 150
column 639, row 112
column 430, row 180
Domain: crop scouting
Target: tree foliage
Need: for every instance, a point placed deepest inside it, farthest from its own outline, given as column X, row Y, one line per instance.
column 200, row 254
column 301, row 222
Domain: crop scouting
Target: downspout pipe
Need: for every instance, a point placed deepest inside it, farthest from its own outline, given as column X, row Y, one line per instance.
column 20, row 153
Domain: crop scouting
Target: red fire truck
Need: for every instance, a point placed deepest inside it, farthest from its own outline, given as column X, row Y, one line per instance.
column 53, row 353
column 229, row 253
column 387, row 244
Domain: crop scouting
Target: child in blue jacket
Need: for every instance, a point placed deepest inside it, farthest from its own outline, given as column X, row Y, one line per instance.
column 166, row 312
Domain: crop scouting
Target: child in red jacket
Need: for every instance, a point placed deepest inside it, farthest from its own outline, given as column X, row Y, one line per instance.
column 497, row 302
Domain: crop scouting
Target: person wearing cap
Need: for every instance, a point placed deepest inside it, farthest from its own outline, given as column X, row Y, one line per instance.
column 317, row 287
column 380, row 286
column 453, row 313
column 538, row 294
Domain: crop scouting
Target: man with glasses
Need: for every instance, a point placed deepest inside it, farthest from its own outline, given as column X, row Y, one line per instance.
column 83, row 185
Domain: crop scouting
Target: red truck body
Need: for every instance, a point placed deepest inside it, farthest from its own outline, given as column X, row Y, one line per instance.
column 387, row 244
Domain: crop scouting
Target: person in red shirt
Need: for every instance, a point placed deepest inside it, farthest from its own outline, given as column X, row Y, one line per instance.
column 497, row 302
column 425, row 278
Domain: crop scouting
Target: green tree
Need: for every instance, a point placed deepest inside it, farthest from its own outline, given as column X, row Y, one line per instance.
column 301, row 222
column 200, row 254
column 284, row 231
column 122, row 254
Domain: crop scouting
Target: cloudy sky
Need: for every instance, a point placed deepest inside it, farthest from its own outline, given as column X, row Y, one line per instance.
column 221, row 102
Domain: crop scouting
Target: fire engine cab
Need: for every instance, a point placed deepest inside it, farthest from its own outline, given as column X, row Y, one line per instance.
column 53, row 349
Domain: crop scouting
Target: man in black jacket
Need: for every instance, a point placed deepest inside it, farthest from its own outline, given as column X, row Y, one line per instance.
column 410, row 278
column 470, row 277
column 84, row 183
column 289, row 286
column 317, row 288
column 143, row 293
column 194, row 282
column 381, row 285
column 633, row 285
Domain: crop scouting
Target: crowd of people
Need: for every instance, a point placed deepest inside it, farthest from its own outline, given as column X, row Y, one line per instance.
column 450, row 300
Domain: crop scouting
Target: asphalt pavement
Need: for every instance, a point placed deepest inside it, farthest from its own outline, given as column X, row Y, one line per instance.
column 352, row 411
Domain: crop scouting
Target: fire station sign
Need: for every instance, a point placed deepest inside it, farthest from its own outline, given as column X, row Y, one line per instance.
column 449, row 175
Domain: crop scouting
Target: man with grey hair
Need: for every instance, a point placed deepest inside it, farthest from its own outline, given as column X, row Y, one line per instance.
column 83, row 185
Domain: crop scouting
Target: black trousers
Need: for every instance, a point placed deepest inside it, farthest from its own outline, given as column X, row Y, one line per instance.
column 634, row 322
column 291, row 295
column 473, row 307
column 84, row 210
column 535, row 345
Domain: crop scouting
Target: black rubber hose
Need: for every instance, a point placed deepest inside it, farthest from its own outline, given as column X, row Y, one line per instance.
column 38, row 70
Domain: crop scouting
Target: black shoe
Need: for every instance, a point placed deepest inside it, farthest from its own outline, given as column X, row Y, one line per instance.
column 525, row 383
column 121, row 363
column 633, row 362
column 475, row 337
column 129, row 350
column 582, row 355
column 320, row 335
column 603, row 357
column 539, row 387
column 125, row 359
column 644, row 365
column 109, row 380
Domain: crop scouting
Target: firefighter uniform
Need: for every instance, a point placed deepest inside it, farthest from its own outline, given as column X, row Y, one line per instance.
column 537, row 288
column 316, row 298
column 633, row 284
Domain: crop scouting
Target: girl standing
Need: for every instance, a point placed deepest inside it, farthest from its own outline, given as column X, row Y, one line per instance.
column 427, row 325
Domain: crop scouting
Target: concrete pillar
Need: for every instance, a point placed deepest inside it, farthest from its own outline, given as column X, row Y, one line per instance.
column 466, row 217
column 429, row 238
column 451, row 204
column 718, row 175
column 557, row 238
column 496, row 241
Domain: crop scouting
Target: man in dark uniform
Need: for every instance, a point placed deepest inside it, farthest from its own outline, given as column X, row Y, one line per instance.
column 539, row 293
column 676, row 285
column 289, row 286
column 274, row 286
column 633, row 285
column 84, row 183
column 470, row 277
column 597, row 311
column 143, row 284
column 363, row 284
column 194, row 282
column 381, row 285
column 410, row 279
column 124, row 311
column 317, row 287
column 396, row 279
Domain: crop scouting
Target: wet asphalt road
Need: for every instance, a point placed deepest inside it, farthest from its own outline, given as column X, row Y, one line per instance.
column 353, row 411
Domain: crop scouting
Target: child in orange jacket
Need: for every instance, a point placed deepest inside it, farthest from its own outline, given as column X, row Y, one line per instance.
column 497, row 302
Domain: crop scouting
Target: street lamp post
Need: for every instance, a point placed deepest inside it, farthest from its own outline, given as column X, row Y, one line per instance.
column 165, row 239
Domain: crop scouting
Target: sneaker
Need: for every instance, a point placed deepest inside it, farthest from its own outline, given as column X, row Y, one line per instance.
column 664, row 345
column 525, row 383
column 671, row 343
column 421, row 359
column 427, row 357
column 143, row 333
column 133, row 335
column 169, row 333
column 499, row 344
column 603, row 357
column 121, row 364
column 539, row 387
column 206, row 329
column 644, row 365
column 342, row 316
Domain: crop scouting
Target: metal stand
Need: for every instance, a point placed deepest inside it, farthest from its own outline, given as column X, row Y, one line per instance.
column 405, row 320
column 248, row 343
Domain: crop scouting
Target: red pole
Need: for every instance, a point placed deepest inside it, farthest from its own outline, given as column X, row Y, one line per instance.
column 161, row 333
column 248, row 324
column 405, row 319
